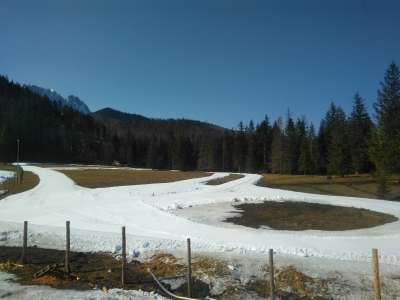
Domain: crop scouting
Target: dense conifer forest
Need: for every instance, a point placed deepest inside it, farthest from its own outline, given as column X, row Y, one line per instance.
column 342, row 144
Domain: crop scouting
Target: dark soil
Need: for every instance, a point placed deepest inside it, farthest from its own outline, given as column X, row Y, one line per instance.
column 93, row 270
column 290, row 215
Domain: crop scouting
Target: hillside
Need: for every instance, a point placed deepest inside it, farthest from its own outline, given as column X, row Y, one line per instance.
column 51, row 131
column 147, row 127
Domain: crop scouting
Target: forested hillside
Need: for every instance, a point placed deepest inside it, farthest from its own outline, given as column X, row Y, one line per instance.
column 342, row 144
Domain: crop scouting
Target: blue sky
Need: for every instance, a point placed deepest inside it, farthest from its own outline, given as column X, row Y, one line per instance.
column 217, row 61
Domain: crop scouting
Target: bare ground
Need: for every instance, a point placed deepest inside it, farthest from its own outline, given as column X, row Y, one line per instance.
column 290, row 215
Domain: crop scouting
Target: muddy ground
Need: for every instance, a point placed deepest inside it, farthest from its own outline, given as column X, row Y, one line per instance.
column 103, row 271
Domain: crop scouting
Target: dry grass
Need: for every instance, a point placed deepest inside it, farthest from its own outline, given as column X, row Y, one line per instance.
column 93, row 270
column 98, row 178
column 353, row 185
column 225, row 179
column 293, row 284
column 290, row 215
column 211, row 267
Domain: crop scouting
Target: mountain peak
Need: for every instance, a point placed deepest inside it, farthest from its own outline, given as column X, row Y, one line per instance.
column 77, row 104
column 71, row 101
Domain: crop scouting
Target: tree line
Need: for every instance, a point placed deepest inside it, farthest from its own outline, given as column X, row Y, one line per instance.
column 342, row 144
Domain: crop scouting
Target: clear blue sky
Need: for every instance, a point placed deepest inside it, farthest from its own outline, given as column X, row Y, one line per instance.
column 217, row 61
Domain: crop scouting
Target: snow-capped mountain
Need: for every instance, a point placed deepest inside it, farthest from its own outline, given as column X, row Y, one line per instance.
column 71, row 101
column 77, row 104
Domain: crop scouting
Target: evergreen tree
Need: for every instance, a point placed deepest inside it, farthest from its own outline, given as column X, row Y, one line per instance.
column 378, row 154
column 322, row 149
column 291, row 150
column 306, row 159
column 251, row 151
column 240, row 149
column 360, row 126
column 264, row 140
column 338, row 149
column 152, row 153
column 277, row 148
column 387, row 110
column 315, row 155
column 227, row 153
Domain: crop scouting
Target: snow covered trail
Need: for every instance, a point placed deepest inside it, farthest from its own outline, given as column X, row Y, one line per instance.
column 97, row 215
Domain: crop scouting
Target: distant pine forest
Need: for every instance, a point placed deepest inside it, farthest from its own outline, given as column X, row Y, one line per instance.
column 342, row 144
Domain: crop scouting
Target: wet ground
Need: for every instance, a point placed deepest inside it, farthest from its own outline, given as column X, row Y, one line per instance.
column 291, row 215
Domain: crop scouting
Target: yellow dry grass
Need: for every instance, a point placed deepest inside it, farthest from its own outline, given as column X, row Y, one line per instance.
column 290, row 283
column 363, row 185
column 98, row 178
column 163, row 264
column 209, row 266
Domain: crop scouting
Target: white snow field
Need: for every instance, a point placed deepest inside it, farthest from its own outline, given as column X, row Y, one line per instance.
column 5, row 174
column 147, row 211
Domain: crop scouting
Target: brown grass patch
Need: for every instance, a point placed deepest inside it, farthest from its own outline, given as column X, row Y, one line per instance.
column 291, row 215
column 363, row 185
column 209, row 266
column 89, row 270
column 46, row 280
column 164, row 264
column 292, row 284
column 225, row 179
column 98, row 178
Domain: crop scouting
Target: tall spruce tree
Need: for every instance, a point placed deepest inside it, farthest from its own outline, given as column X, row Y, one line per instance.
column 322, row 149
column 360, row 126
column 251, row 149
column 227, row 153
column 387, row 109
column 291, row 150
column 338, row 155
column 277, row 148
column 306, row 159
column 240, row 149
column 264, row 140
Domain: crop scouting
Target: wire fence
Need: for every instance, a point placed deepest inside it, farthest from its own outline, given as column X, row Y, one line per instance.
column 271, row 288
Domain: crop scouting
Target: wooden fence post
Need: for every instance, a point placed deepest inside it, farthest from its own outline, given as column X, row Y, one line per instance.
column 189, row 273
column 123, row 271
column 271, row 274
column 24, row 243
column 67, row 247
column 375, row 271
